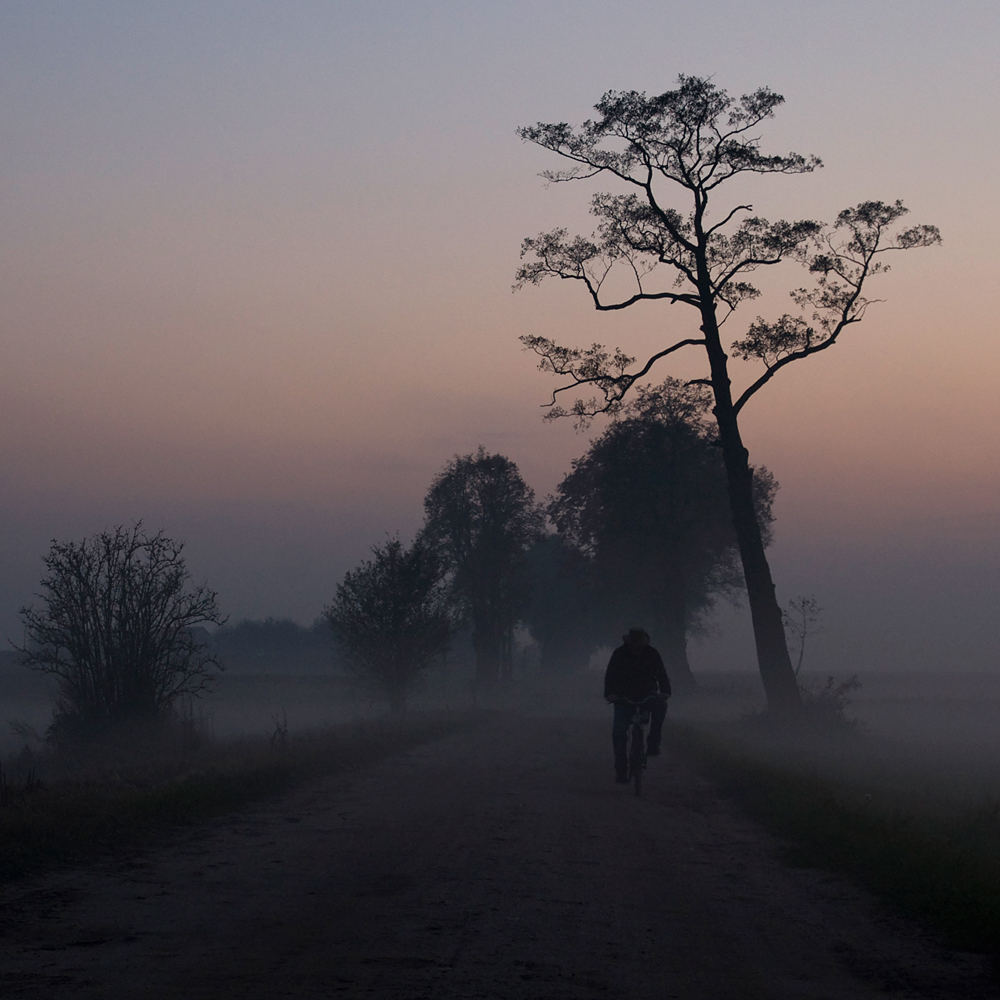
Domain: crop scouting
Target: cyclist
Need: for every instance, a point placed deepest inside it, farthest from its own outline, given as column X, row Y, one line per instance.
column 635, row 671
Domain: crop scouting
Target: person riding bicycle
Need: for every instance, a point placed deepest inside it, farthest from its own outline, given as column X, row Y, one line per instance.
column 635, row 672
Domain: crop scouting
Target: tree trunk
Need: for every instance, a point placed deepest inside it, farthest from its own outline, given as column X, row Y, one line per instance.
column 775, row 664
column 675, row 659
column 486, row 645
column 566, row 655
column 507, row 655
column 769, row 633
column 672, row 644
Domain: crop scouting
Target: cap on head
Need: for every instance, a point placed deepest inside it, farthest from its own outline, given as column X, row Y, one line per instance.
column 637, row 635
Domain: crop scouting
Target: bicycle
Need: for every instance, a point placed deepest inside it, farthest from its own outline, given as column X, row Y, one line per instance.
column 636, row 754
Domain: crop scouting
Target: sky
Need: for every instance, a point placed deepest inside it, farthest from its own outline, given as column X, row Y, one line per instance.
column 256, row 263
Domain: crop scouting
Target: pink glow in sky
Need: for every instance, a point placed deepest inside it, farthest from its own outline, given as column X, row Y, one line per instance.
column 256, row 258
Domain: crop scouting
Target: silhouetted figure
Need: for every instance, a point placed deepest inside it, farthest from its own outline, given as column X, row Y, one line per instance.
column 635, row 671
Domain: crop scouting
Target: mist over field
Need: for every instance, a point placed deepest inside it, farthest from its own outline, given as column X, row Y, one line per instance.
column 899, row 594
column 306, row 611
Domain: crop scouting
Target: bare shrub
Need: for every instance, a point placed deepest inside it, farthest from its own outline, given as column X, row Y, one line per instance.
column 117, row 628
column 801, row 617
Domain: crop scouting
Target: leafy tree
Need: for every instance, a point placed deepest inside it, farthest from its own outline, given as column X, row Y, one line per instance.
column 690, row 141
column 119, row 628
column 482, row 517
column 391, row 617
column 648, row 504
column 562, row 614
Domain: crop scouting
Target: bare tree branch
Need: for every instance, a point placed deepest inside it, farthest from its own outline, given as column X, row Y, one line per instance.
column 593, row 366
column 845, row 258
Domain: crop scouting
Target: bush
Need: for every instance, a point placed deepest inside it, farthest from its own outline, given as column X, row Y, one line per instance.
column 118, row 628
column 823, row 712
column 826, row 706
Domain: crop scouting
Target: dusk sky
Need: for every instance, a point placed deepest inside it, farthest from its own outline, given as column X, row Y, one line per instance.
column 256, row 263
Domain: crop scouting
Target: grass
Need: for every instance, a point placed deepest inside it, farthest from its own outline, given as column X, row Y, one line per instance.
column 937, row 861
column 115, row 797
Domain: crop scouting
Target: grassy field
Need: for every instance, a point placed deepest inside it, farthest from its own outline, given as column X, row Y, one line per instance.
column 907, row 801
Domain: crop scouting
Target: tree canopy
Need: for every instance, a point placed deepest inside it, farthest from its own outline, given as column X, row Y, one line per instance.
column 648, row 504
column 482, row 517
column 564, row 612
column 391, row 617
column 686, row 144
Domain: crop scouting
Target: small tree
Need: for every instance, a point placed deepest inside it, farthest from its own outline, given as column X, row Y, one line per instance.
column 391, row 617
column 801, row 617
column 482, row 517
column 116, row 628
column 689, row 142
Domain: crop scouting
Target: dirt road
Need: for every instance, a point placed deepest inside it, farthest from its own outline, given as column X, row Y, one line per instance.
column 502, row 862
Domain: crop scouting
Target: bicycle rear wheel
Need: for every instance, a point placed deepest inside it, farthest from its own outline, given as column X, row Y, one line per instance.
column 637, row 757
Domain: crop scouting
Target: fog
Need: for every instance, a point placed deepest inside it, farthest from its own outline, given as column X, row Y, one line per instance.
column 915, row 594
column 919, row 595
column 938, row 732
column 256, row 265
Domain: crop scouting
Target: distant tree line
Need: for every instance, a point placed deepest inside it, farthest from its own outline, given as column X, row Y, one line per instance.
column 638, row 532
column 275, row 646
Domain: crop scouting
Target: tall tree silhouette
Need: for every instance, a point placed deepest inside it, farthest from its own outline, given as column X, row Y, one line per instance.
column 481, row 517
column 648, row 503
column 689, row 142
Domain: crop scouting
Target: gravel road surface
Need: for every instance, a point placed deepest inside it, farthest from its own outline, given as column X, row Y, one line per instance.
column 499, row 862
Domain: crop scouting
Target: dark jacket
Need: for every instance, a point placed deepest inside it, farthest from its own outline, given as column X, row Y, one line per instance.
column 635, row 676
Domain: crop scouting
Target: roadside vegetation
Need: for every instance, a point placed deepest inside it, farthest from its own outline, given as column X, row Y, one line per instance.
column 113, row 794
column 851, row 802
column 119, row 627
